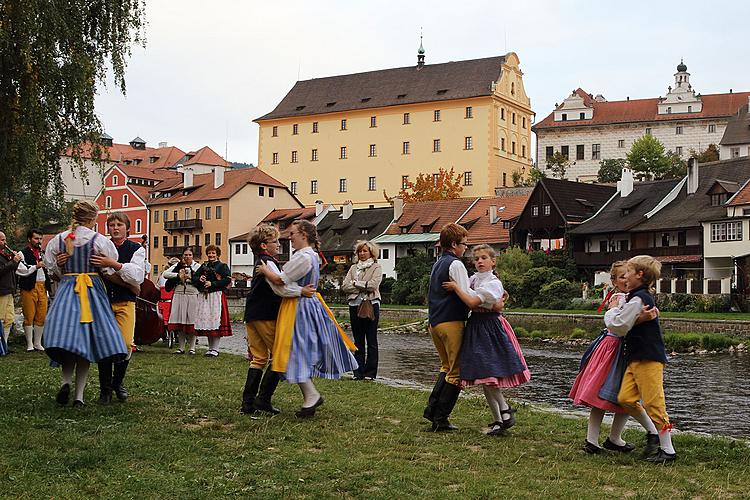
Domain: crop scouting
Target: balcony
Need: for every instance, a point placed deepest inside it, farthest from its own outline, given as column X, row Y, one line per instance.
column 177, row 251
column 184, row 225
column 606, row 258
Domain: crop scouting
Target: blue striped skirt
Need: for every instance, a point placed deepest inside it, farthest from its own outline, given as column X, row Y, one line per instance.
column 317, row 348
column 3, row 343
column 64, row 334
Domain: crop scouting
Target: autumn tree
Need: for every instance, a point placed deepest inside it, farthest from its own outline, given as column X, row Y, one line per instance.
column 558, row 164
column 711, row 153
column 610, row 170
column 443, row 185
column 53, row 55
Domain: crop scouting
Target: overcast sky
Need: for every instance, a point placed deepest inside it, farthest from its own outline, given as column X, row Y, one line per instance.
column 210, row 68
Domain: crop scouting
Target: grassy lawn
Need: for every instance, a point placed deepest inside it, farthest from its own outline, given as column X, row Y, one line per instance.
column 181, row 436
column 666, row 314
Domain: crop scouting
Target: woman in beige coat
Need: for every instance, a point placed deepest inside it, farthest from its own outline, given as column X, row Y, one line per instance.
column 362, row 283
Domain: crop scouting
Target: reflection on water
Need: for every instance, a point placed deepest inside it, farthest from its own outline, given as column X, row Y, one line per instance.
column 707, row 393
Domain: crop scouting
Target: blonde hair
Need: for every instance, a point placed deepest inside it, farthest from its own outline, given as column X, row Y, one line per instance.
column 650, row 267
column 615, row 266
column 84, row 213
column 371, row 247
column 484, row 248
column 261, row 234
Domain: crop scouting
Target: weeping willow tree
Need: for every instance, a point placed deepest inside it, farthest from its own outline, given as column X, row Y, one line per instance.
column 53, row 54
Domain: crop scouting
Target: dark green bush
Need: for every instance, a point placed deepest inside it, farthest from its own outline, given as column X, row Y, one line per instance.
column 557, row 294
column 683, row 302
column 413, row 280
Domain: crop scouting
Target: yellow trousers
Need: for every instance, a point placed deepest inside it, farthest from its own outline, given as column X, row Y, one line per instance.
column 125, row 317
column 644, row 381
column 34, row 304
column 7, row 312
column 447, row 338
column 260, row 337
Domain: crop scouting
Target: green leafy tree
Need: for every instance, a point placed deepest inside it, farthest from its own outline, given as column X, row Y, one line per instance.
column 52, row 57
column 413, row 279
column 677, row 166
column 610, row 170
column 711, row 153
column 648, row 158
column 514, row 261
column 519, row 180
column 558, row 164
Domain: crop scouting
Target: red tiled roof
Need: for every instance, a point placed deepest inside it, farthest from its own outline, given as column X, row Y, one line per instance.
column 206, row 156
column 645, row 110
column 508, row 207
column 434, row 213
column 148, row 172
column 742, row 197
column 203, row 186
column 674, row 259
column 289, row 215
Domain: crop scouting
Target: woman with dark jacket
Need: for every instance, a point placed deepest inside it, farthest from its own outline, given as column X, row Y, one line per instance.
column 212, row 315
column 362, row 284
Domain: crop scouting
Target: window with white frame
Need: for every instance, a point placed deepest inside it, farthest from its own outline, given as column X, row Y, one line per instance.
column 295, row 158
column 405, row 148
column 275, row 159
column 108, row 202
column 467, row 179
column 342, row 154
column 546, row 210
column 125, row 200
column 468, row 143
column 407, row 119
column 469, row 112
column 293, row 187
column 726, row 231
column 373, row 150
column 138, row 226
column 314, row 186
column 371, row 183
column 436, row 145
column 315, row 127
column 342, row 185
column 343, row 124
column 295, row 129
column 535, row 211
column 373, row 121
column 404, row 182
column 275, row 131
column 314, row 155
column 436, row 115
column 115, row 180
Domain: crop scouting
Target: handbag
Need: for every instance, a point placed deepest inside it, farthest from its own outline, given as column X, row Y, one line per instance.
column 365, row 310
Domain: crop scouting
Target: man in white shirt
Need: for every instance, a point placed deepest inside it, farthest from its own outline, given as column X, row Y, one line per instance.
column 33, row 282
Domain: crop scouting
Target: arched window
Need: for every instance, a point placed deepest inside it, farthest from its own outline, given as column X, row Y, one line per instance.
column 115, row 180
column 138, row 224
column 124, row 200
column 108, row 202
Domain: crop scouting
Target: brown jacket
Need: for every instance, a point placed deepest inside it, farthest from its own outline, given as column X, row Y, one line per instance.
column 369, row 283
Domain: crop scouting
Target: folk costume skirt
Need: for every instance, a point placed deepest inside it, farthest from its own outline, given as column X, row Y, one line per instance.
column 212, row 315
column 597, row 368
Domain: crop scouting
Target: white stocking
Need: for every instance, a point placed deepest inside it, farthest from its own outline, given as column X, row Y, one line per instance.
column 82, row 373
column 493, row 404
column 213, row 343
column 646, row 422
column 181, row 340
column 618, row 425
column 309, row 392
column 665, row 441
column 595, row 424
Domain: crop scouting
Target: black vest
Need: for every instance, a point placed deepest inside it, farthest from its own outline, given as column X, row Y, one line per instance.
column 644, row 342
column 261, row 303
column 115, row 292
column 29, row 282
column 444, row 305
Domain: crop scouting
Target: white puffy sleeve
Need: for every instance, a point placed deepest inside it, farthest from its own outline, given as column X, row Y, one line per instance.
column 291, row 289
column 490, row 292
column 133, row 272
column 297, row 267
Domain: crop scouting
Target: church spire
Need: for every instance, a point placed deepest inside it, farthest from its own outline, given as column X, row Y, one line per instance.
column 420, row 52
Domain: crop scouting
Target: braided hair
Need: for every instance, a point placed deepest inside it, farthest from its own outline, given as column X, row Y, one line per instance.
column 84, row 214
column 311, row 234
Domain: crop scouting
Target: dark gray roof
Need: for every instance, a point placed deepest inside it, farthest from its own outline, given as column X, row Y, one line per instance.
column 337, row 234
column 738, row 128
column 390, row 87
column 577, row 201
column 688, row 211
column 623, row 213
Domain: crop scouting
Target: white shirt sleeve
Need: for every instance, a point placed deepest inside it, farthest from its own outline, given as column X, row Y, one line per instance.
column 457, row 272
column 132, row 272
column 24, row 269
column 620, row 320
column 104, row 246
column 288, row 289
column 490, row 292
column 169, row 273
column 51, row 253
column 297, row 267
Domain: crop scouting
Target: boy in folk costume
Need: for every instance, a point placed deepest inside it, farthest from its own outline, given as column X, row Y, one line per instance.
column 447, row 314
column 261, row 310
column 123, row 288
column 33, row 282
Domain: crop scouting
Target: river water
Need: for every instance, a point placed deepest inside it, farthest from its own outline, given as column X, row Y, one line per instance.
column 707, row 393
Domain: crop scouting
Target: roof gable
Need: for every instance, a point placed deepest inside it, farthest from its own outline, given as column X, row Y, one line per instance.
column 340, row 235
column 435, row 213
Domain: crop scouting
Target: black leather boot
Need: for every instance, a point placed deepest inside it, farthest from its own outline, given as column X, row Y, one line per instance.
column 444, row 407
column 429, row 411
column 117, row 378
column 105, row 382
column 267, row 387
column 250, row 390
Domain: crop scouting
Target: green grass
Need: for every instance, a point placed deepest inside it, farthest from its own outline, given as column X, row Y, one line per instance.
column 180, row 436
column 666, row 314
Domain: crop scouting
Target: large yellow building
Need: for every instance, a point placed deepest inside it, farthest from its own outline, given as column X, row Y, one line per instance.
column 354, row 137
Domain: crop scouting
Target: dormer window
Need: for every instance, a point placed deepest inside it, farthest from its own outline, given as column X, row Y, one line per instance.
column 115, row 180
column 582, row 116
column 564, row 117
column 718, row 199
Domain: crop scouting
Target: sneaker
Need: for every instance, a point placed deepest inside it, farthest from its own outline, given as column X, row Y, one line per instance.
column 591, row 448
column 662, row 457
column 626, row 448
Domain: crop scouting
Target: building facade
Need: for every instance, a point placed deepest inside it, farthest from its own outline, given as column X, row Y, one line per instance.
column 736, row 139
column 362, row 136
column 588, row 129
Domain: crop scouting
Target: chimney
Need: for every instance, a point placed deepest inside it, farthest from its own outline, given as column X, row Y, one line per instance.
column 346, row 209
column 625, row 184
column 187, row 177
column 493, row 214
column 398, row 207
column 163, row 144
column 692, row 176
column 218, row 177
column 318, row 207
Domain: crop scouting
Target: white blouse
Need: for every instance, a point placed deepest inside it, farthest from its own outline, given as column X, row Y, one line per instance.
column 487, row 287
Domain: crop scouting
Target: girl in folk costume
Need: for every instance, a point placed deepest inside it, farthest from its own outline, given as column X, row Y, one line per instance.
column 490, row 353
column 182, row 314
column 309, row 342
column 600, row 375
column 81, row 327
column 212, row 314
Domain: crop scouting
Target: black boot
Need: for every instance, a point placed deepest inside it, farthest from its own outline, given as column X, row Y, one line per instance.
column 117, row 378
column 429, row 411
column 250, row 390
column 105, row 382
column 444, row 407
column 267, row 387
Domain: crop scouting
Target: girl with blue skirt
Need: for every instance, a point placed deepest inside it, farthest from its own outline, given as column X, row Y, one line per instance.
column 81, row 327
column 309, row 342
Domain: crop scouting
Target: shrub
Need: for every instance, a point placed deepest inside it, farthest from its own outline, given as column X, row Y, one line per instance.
column 557, row 294
column 579, row 304
column 683, row 302
column 578, row 333
column 512, row 262
column 413, row 280
column 532, row 282
column 520, row 331
column 538, row 334
column 680, row 342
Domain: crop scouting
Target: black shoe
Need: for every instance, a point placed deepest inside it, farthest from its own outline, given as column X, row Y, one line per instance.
column 105, row 397
column 591, row 448
column 509, row 422
column 626, row 448
column 444, row 406
column 308, row 411
column 121, row 392
column 250, row 390
column 443, row 426
column 247, row 410
column 662, row 457
column 63, row 395
column 118, row 375
column 265, row 406
column 496, row 429
column 267, row 387
column 78, row 404
column 429, row 411
column 652, row 445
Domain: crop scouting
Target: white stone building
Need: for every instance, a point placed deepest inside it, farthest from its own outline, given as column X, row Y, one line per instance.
column 736, row 139
column 589, row 129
